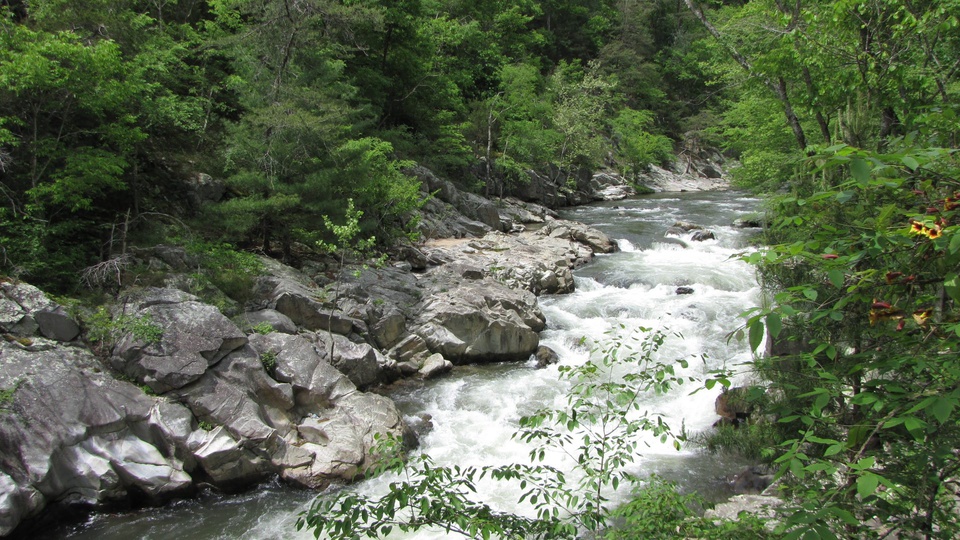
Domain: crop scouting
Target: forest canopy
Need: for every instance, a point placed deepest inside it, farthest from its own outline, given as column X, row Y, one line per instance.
column 844, row 111
column 108, row 106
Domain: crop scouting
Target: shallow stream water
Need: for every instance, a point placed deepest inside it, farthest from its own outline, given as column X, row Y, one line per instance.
column 475, row 409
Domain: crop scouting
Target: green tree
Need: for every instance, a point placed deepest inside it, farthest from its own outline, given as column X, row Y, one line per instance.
column 864, row 278
column 636, row 147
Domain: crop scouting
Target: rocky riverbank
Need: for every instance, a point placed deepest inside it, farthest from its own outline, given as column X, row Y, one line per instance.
column 179, row 395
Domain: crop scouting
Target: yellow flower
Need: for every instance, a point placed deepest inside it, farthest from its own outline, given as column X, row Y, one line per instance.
column 921, row 316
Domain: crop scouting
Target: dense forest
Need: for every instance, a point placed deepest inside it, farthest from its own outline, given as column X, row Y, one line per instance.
column 846, row 110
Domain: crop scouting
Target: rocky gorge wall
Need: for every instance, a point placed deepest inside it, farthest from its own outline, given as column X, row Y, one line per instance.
column 183, row 396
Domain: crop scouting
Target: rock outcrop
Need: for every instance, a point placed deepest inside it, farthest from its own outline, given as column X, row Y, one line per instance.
column 180, row 394
column 198, row 404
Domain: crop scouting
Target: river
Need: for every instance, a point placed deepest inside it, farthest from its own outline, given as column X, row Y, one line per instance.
column 475, row 409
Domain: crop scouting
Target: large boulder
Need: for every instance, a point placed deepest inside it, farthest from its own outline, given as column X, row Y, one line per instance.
column 481, row 321
column 333, row 424
column 578, row 232
column 178, row 339
column 25, row 310
column 606, row 186
column 69, row 433
column 299, row 298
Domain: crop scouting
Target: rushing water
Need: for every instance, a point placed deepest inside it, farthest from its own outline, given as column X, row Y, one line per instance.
column 475, row 410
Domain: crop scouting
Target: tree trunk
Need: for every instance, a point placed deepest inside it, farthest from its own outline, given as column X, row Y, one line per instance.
column 779, row 88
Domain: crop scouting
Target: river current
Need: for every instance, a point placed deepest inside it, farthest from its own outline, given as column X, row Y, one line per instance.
column 475, row 409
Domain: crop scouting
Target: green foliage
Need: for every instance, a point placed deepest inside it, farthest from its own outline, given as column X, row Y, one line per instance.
column 103, row 329
column 754, row 441
column 230, row 270
column 599, row 428
column 636, row 147
column 6, row 395
column 269, row 360
column 263, row 328
column 658, row 510
column 863, row 274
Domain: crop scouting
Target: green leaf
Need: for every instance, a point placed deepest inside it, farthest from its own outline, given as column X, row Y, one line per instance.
column 756, row 334
column 836, row 278
column 774, row 324
column 910, row 162
column 951, row 283
column 844, row 197
column 942, row 408
column 796, row 467
column 954, row 242
column 860, row 169
column 867, row 484
column 811, row 294
column 833, row 449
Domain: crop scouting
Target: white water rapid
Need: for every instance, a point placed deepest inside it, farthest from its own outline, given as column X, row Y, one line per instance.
column 475, row 409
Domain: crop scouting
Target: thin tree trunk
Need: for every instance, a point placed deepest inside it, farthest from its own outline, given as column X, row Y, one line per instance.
column 779, row 87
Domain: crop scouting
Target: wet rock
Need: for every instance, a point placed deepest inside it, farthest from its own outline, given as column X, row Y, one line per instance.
column 758, row 505
column 735, row 405
column 700, row 236
column 224, row 459
column 72, row 434
column 687, row 226
column 749, row 223
column 546, row 356
column 593, row 238
column 750, row 480
column 684, row 290
column 412, row 349
column 481, row 321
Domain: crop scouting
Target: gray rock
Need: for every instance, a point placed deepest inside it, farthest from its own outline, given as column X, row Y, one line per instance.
column 388, row 327
column 412, row 348
column 687, row 226
column 684, row 290
column 296, row 296
column 481, row 321
column 700, row 236
column 25, row 309
column 758, row 505
column 302, row 364
column 195, row 337
column 434, row 366
column 546, row 356
column 609, row 187
column 73, row 434
column 361, row 363
column 223, row 458
column 593, row 238
column 57, row 325
column 203, row 188
column 277, row 321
